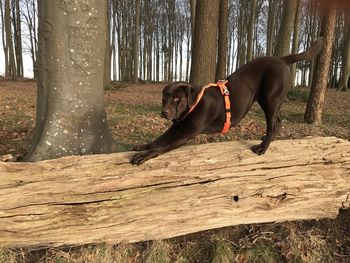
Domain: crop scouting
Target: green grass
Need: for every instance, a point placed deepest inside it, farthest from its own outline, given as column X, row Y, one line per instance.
column 124, row 109
column 261, row 254
column 298, row 95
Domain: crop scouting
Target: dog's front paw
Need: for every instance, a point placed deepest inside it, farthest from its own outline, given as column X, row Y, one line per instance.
column 138, row 159
column 259, row 149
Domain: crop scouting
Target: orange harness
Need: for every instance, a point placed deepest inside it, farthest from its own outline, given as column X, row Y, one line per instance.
column 224, row 92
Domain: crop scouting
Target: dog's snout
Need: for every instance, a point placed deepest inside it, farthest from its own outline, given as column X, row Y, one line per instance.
column 165, row 113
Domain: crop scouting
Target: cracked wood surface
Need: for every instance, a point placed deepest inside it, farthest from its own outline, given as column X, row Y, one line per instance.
column 102, row 198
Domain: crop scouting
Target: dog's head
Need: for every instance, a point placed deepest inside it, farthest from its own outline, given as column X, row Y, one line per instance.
column 178, row 97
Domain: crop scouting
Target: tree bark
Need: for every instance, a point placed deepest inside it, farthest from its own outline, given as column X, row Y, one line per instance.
column 11, row 70
column 108, row 51
column 344, row 82
column 71, row 119
column 286, row 28
column 114, row 44
column 3, row 36
column 314, row 108
column 189, row 51
column 296, row 33
column 222, row 41
column 242, row 33
column 204, row 51
column 250, row 31
column 102, row 198
column 136, row 40
column 193, row 16
column 271, row 27
column 18, row 38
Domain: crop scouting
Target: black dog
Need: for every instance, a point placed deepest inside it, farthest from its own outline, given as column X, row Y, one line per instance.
column 266, row 80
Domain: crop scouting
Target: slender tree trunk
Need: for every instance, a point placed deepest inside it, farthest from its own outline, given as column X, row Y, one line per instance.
column 35, row 36
column 149, row 56
column 229, row 53
column 250, row 30
column 205, row 42
column 120, row 51
column 144, row 60
column 316, row 99
column 181, row 54
column 314, row 25
column 193, row 15
column 136, row 40
column 114, row 45
column 158, row 57
column 333, row 73
column 344, row 82
column 296, row 34
column 188, row 57
column 165, row 54
column 71, row 119
column 18, row 38
column 108, row 52
column 242, row 33
column 223, row 41
column 3, row 34
column 141, row 56
column 286, row 28
column 11, row 70
column 271, row 26
column 176, row 45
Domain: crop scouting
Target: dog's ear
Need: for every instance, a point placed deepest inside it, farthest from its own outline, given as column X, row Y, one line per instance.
column 190, row 94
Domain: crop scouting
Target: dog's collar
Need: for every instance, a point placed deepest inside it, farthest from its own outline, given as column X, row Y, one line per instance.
column 225, row 93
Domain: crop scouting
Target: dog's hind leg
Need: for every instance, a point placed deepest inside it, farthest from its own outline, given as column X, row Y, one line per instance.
column 271, row 107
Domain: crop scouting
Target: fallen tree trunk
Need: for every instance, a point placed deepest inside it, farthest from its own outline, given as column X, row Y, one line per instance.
column 102, row 198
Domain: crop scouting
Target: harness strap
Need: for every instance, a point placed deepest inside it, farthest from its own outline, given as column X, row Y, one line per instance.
column 224, row 92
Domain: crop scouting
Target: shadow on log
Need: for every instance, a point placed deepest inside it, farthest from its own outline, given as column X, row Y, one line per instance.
column 102, row 198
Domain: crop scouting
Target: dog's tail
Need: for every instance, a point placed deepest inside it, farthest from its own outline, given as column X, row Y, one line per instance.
column 306, row 55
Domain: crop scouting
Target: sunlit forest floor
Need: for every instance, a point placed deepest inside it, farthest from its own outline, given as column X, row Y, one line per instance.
column 134, row 118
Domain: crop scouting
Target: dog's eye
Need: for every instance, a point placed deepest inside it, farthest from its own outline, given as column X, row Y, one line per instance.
column 176, row 99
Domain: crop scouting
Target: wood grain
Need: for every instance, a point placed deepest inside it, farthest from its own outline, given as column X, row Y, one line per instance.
column 102, row 198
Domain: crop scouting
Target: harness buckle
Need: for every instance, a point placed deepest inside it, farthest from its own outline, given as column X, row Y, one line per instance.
column 226, row 91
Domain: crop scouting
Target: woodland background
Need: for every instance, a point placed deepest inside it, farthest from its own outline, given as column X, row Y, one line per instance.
column 163, row 41
column 152, row 40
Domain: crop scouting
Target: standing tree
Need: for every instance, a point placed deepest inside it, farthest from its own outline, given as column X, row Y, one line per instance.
column 250, row 31
column 193, row 14
column 205, row 42
column 10, row 70
column 271, row 24
column 286, row 28
column 17, row 28
column 317, row 95
column 344, row 82
column 136, row 40
column 295, row 46
column 242, row 33
column 71, row 119
column 2, row 17
column 223, row 40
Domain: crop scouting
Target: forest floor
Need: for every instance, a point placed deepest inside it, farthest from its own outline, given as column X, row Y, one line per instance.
column 134, row 118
